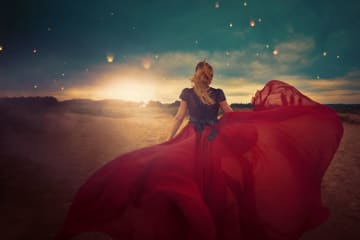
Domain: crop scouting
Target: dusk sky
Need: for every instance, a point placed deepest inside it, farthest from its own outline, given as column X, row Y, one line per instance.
column 141, row 50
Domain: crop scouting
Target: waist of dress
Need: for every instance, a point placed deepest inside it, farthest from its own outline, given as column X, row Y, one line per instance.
column 200, row 124
column 204, row 122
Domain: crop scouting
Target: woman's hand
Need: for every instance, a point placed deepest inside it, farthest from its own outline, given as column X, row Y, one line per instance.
column 225, row 107
column 178, row 119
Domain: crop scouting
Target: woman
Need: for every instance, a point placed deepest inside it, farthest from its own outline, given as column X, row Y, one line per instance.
column 253, row 175
column 202, row 100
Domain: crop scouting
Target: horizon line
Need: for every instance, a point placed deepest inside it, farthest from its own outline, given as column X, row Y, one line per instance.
column 132, row 101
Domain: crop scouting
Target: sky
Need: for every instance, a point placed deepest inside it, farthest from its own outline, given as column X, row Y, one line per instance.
column 146, row 50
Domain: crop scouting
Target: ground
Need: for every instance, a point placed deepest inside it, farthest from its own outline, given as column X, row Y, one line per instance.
column 45, row 157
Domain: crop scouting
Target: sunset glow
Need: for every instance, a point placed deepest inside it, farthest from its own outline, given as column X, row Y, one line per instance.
column 127, row 91
column 115, row 49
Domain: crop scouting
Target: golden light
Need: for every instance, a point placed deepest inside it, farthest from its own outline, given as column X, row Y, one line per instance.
column 130, row 90
column 110, row 58
column 252, row 23
column 146, row 63
column 217, row 4
column 275, row 52
column 1, row 48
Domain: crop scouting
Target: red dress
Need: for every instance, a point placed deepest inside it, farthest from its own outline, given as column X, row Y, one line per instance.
column 258, row 178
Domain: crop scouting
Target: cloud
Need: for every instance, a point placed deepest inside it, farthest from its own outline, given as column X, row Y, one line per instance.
column 240, row 73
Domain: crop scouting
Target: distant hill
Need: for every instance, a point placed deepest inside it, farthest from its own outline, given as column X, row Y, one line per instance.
column 114, row 107
column 346, row 108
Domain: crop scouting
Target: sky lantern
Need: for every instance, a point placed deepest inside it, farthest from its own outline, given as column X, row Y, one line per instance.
column 146, row 63
column 1, row 48
column 275, row 52
column 252, row 23
column 110, row 58
column 217, row 4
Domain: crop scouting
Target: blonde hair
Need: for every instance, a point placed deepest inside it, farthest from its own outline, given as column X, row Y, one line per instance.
column 201, row 81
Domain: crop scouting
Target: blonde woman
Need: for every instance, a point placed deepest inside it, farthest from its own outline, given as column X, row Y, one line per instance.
column 251, row 175
column 202, row 101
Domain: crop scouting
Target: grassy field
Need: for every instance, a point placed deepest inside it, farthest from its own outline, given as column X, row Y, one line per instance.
column 46, row 155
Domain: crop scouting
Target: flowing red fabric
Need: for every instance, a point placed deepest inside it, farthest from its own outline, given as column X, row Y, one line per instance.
column 259, row 178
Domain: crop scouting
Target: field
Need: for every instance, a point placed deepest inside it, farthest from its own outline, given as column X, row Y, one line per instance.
column 46, row 155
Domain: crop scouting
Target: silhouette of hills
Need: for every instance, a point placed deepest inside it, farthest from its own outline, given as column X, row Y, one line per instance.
column 114, row 107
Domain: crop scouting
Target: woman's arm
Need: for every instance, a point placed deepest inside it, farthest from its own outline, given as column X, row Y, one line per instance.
column 178, row 119
column 225, row 107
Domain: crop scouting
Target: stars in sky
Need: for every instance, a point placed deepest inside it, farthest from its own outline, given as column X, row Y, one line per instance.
column 224, row 27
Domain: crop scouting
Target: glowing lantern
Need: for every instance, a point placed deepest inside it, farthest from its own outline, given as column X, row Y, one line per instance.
column 252, row 23
column 275, row 52
column 217, row 4
column 110, row 58
column 146, row 63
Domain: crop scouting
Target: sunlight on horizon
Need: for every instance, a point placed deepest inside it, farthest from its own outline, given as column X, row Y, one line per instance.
column 130, row 91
